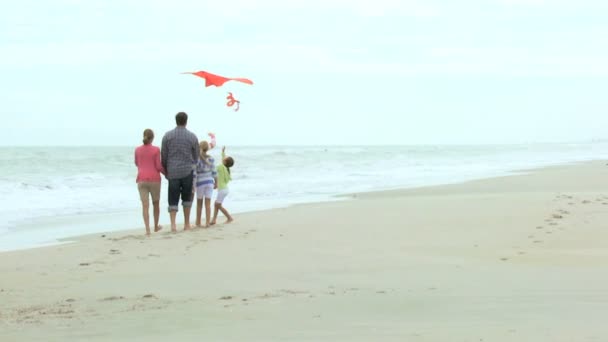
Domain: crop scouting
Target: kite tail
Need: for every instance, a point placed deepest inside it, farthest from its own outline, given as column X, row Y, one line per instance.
column 232, row 101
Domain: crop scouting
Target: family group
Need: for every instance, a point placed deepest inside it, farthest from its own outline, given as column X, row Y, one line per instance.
column 190, row 171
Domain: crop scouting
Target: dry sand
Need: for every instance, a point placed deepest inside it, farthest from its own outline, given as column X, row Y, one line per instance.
column 519, row 258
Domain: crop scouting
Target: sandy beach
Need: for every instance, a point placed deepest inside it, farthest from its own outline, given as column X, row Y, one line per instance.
column 517, row 258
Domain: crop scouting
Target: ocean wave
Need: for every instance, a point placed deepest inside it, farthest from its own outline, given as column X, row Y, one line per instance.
column 81, row 181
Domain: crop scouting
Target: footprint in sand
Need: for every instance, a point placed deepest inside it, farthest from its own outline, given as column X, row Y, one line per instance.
column 538, row 241
column 553, row 224
column 539, row 227
column 149, row 296
column 128, row 237
column 114, row 251
column 293, row 292
column 84, row 264
column 226, row 298
column 521, row 253
column 557, row 216
column 112, row 298
column 548, row 232
column 586, row 202
column 504, row 259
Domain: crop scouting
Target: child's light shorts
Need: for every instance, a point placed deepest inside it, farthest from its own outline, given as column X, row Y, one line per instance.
column 204, row 191
column 221, row 195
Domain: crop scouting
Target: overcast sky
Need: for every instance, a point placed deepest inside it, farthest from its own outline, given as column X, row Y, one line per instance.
column 325, row 71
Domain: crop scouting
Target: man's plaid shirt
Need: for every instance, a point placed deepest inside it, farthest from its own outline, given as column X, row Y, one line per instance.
column 179, row 152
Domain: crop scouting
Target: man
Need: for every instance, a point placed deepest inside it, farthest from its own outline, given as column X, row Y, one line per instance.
column 179, row 154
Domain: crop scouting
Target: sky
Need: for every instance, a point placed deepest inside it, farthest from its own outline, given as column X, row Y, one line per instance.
column 325, row 72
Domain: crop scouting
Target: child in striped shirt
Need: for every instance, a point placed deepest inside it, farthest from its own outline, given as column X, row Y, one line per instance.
column 206, row 181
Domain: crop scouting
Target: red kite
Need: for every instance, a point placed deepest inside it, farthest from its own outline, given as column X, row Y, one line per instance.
column 216, row 80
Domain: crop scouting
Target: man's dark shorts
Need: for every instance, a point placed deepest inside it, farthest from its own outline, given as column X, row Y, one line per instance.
column 180, row 187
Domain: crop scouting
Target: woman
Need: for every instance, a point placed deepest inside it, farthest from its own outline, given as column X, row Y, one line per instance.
column 149, row 168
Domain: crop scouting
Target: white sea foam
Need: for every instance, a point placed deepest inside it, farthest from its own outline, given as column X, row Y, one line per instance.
column 50, row 193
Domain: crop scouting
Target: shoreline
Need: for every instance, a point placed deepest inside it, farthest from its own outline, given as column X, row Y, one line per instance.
column 135, row 217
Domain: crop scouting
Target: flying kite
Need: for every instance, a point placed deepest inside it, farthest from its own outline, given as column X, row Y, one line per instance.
column 218, row 81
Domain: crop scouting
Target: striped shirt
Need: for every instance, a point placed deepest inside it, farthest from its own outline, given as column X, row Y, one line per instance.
column 205, row 172
column 179, row 152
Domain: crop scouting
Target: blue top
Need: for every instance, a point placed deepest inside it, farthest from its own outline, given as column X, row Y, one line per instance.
column 205, row 172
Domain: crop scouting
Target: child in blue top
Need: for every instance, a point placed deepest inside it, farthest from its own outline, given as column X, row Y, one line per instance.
column 206, row 181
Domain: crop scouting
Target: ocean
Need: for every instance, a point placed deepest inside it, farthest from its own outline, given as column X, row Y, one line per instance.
column 52, row 193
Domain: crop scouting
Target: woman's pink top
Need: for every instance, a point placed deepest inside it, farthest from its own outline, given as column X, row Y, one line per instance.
column 147, row 159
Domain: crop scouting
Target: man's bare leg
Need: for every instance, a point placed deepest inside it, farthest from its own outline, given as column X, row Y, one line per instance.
column 187, row 218
column 173, row 214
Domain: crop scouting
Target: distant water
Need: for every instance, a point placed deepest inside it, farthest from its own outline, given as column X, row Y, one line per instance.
column 48, row 193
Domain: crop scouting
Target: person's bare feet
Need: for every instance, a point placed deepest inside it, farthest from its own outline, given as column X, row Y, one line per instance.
column 173, row 228
column 212, row 223
column 229, row 220
column 188, row 227
column 158, row 228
